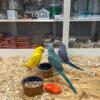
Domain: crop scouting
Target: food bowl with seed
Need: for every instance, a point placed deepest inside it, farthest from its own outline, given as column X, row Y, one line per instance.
column 32, row 85
column 45, row 70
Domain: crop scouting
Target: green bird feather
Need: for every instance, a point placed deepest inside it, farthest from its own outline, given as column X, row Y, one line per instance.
column 56, row 63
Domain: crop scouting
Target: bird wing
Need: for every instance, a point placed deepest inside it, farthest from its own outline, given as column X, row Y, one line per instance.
column 55, row 62
column 63, row 55
column 34, row 60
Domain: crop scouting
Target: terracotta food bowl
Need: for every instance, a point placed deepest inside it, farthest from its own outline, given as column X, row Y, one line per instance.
column 45, row 70
column 32, row 85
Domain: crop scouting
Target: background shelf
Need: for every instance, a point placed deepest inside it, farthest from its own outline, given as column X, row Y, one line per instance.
column 85, row 18
column 32, row 20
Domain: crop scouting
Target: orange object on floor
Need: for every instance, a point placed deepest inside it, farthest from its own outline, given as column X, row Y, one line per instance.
column 51, row 87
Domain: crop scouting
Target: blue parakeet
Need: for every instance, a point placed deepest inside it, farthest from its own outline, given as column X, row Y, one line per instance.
column 56, row 63
column 62, row 52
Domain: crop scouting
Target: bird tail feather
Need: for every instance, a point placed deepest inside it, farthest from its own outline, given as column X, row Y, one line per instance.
column 74, row 66
column 69, row 82
column 26, row 65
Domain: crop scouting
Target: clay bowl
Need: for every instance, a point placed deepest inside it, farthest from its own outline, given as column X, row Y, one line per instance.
column 45, row 70
column 32, row 89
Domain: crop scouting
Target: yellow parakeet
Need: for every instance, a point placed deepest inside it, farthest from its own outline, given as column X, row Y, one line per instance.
column 35, row 59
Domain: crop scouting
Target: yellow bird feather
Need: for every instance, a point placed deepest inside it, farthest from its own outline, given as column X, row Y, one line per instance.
column 36, row 57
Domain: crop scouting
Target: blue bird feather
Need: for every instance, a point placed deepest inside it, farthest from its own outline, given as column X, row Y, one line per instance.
column 56, row 63
column 62, row 52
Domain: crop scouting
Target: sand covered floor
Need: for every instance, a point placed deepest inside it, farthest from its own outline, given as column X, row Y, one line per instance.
column 87, row 83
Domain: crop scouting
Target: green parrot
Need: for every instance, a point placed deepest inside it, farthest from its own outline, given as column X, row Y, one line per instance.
column 56, row 63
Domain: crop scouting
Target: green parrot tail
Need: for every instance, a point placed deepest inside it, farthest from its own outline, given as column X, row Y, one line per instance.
column 71, row 86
